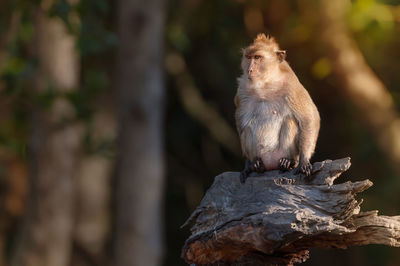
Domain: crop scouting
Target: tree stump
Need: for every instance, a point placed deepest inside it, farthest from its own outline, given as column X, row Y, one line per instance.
column 274, row 219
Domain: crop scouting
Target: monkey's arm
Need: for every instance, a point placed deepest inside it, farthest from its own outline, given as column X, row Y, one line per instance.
column 307, row 117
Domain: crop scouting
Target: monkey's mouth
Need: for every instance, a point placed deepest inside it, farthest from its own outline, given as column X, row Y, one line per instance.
column 251, row 76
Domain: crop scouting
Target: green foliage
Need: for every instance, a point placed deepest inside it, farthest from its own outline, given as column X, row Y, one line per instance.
column 373, row 16
column 97, row 34
column 16, row 69
column 322, row 68
column 94, row 83
column 63, row 10
column 91, row 21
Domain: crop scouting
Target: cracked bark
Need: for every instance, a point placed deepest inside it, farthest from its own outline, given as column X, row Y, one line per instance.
column 274, row 219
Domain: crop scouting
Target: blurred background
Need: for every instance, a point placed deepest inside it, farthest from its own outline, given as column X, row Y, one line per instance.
column 115, row 117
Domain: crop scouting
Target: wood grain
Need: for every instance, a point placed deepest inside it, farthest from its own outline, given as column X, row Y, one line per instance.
column 274, row 219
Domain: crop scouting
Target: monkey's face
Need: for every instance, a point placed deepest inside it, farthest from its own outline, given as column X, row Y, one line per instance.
column 261, row 60
column 255, row 65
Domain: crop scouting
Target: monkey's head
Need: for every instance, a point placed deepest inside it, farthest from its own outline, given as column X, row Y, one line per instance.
column 261, row 57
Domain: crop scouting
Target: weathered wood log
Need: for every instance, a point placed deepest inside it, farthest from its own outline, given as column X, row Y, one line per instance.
column 274, row 219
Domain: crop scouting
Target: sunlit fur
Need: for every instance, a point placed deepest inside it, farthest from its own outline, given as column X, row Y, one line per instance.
column 275, row 115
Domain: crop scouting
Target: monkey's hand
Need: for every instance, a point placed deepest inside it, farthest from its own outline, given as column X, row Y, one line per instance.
column 304, row 167
column 286, row 164
column 257, row 166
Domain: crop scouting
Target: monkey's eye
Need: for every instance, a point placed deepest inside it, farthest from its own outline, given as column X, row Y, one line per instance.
column 248, row 57
column 257, row 56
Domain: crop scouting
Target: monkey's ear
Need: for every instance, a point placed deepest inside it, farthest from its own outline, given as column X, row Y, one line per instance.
column 281, row 55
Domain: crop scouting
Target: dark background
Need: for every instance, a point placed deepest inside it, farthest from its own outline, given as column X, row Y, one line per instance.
column 200, row 53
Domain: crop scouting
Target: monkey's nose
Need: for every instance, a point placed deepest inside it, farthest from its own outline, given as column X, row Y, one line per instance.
column 251, row 73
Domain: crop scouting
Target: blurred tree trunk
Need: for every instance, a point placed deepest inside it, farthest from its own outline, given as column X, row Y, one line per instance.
column 358, row 80
column 46, row 238
column 140, row 172
column 93, row 222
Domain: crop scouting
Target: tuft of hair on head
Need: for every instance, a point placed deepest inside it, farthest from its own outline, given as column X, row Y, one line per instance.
column 261, row 37
column 266, row 40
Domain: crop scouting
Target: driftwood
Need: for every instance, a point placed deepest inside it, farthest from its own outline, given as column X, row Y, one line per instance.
column 274, row 219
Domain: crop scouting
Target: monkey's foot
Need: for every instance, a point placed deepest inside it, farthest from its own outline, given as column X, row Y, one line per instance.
column 286, row 164
column 304, row 168
column 257, row 165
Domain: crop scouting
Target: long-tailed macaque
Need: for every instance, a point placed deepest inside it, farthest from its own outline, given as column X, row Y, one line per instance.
column 276, row 119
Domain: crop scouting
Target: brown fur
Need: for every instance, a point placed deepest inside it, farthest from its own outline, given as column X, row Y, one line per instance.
column 275, row 116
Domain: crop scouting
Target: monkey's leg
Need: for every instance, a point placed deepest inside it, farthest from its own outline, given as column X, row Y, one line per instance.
column 286, row 164
column 246, row 171
column 256, row 165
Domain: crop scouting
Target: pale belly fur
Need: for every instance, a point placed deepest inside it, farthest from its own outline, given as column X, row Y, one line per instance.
column 268, row 132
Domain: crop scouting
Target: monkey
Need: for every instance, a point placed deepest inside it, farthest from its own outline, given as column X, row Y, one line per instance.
column 276, row 119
